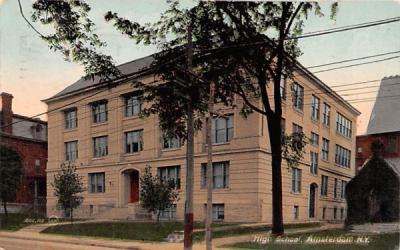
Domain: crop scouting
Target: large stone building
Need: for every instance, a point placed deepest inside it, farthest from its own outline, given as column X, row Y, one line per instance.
column 28, row 137
column 99, row 129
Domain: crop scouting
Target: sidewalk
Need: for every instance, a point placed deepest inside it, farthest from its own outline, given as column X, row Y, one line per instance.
column 32, row 233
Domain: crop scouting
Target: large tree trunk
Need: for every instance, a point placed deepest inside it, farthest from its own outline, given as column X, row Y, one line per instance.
column 5, row 207
column 274, row 128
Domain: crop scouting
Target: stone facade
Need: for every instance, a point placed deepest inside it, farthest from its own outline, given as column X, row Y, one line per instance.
column 245, row 181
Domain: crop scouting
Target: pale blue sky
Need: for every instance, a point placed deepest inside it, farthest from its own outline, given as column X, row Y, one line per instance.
column 31, row 72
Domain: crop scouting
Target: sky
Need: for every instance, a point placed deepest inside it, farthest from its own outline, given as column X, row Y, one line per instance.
column 31, row 72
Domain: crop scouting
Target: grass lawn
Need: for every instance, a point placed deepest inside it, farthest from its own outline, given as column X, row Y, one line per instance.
column 145, row 231
column 376, row 242
column 150, row 231
column 221, row 232
column 13, row 223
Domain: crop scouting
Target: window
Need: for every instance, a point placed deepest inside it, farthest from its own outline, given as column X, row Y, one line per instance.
column 168, row 213
column 71, row 118
column 323, row 213
column 133, row 104
column 343, row 125
column 134, row 141
column 341, row 213
column 218, row 212
column 313, row 162
column 315, row 108
column 295, row 212
column 314, row 140
column 325, row 149
column 342, row 156
column 335, row 188
column 283, row 129
column 343, row 189
column 324, row 185
column 297, row 129
column 335, row 213
column 97, row 183
column 100, row 146
column 298, row 96
column 171, row 173
column 296, row 180
column 170, row 142
column 220, row 175
column 326, row 115
column 99, row 110
column 283, row 87
column 71, row 150
column 222, row 129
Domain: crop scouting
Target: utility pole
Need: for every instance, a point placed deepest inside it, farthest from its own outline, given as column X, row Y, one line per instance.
column 188, row 231
column 209, row 167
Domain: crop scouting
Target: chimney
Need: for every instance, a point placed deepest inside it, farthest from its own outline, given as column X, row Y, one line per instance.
column 6, row 112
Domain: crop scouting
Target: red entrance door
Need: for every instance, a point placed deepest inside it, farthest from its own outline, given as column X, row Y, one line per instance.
column 134, row 187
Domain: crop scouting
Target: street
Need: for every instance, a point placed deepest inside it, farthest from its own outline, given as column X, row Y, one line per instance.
column 9, row 243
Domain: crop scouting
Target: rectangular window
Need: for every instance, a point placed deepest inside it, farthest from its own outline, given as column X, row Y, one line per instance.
column 343, row 125
column 296, row 180
column 315, row 102
column 134, row 141
column 313, row 162
column 335, row 213
column 168, row 213
column 314, row 140
column 133, row 104
column 326, row 115
column 220, row 175
column 325, row 149
column 295, row 212
column 170, row 142
column 100, row 146
column 324, row 185
column 171, row 173
column 222, row 129
column 71, row 118
column 341, row 213
column 323, row 213
column 99, row 110
column 343, row 189
column 96, row 183
column 342, row 156
column 218, row 213
column 297, row 129
column 283, row 129
column 298, row 96
column 71, row 150
column 335, row 188
column 283, row 87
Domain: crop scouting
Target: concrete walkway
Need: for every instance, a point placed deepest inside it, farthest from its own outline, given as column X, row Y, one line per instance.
column 32, row 232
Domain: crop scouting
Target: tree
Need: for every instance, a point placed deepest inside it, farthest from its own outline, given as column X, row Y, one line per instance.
column 244, row 47
column 10, row 175
column 157, row 194
column 67, row 187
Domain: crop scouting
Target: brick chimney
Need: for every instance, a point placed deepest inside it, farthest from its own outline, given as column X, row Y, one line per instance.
column 6, row 112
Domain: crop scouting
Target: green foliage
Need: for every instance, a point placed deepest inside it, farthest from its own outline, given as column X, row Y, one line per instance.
column 293, row 148
column 73, row 35
column 157, row 194
column 67, row 187
column 10, row 174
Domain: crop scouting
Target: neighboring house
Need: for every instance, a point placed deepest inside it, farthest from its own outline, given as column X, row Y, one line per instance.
column 373, row 194
column 384, row 123
column 111, row 146
column 28, row 137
